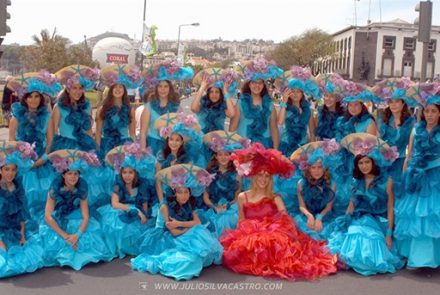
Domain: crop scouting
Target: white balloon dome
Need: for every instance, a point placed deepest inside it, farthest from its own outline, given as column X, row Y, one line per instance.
column 114, row 50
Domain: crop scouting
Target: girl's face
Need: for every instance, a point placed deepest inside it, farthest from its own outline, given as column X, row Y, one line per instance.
column 175, row 142
column 355, row 108
column 330, row 100
column 118, row 91
column 214, row 94
column 75, row 92
column 263, row 179
column 365, row 165
column 223, row 158
column 182, row 195
column 33, row 100
column 71, row 178
column 8, row 173
column 128, row 175
column 316, row 170
column 256, row 87
column 296, row 95
column 163, row 89
column 396, row 105
column 432, row 114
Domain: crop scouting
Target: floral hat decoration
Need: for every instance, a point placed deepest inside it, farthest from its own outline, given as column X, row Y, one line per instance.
column 358, row 92
column 393, row 89
column 369, row 145
column 221, row 140
column 168, row 70
column 132, row 156
column 19, row 153
column 187, row 176
column 425, row 93
column 332, row 83
column 218, row 78
column 299, row 78
column 259, row 69
column 256, row 158
column 42, row 82
column 74, row 160
column 185, row 125
column 78, row 74
column 129, row 76
column 326, row 151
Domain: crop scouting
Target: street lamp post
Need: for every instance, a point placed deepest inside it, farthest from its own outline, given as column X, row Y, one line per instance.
column 179, row 47
column 425, row 21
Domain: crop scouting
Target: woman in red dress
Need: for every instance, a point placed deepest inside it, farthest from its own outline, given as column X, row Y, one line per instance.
column 267, row 242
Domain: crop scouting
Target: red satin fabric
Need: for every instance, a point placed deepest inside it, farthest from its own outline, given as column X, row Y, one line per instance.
column 267, row 243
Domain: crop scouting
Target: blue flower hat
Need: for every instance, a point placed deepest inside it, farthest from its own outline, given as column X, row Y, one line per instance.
column 221, row 140
column 299, row 78
column 185, row 125
column 425, row 93
column 325, row 151
column 18, row 153
column 218, row 78
column 129, row 76
column 332, row 84
column 78, row 74
column 371, row 146
column 42, row 82
column 259, row 69
column 395, row 88
column 187, row 176
column 168, row 70
column 132, row 156
column 74, row 160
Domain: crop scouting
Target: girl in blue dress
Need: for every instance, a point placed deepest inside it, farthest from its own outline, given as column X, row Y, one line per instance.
column 129, row 214
column 418, row 212
column 29, row 123
column 71, row 121
column 255, row 117
column 363, row 238
column 115, row 121
column 164, row 100
column 183, row 247
column 20, row 251
column 220, row 196
column 332, row 86
column 70, row 236
column 396, row 122
column 295, row 116
column 315, row 190
column 213, row 107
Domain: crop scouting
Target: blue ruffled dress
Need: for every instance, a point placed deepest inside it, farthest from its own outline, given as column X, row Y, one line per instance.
column 316, row 197
column 16, row 259
column 115, row 129
column 122, row 229
column 212, row 115
column 359, row 239
column 255, row 120
column 67, row 213
column 74, row 123
column 32, row 128
column 417, row 228
column 222, row 192
column 398, row 137
column 294, row 130
column 327, row 123
column 153, row 138
column 182, row 257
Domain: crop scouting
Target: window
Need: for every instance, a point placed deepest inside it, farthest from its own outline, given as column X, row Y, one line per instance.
column 389, row 42
column 432, row 45
column 409, row 43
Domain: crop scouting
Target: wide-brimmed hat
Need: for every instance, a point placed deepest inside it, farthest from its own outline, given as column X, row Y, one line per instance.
column 218, row 78
column 129, row 76
column 299, row 78
column 325, row 151
column 73, row 160
column 78, row 74
column 221, row 140
column 259, row 69
column 185, row 125
column 42, row 82
column 19, row 153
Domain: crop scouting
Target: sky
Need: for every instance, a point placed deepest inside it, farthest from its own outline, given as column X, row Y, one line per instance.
column 276, row 20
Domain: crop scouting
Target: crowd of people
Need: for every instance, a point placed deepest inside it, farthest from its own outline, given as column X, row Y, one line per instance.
column 324, row 175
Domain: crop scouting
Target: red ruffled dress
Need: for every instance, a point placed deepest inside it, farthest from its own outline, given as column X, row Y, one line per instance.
column 268, row 243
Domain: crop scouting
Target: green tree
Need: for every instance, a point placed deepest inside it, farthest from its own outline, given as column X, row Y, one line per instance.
column 81, row 54
column 302, row 50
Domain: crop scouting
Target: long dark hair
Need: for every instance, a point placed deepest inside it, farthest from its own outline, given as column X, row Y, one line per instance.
column 222, row 97
column 79, row 175
column 167, row 149
column 364, row 111
column 65, row 98
column 423, row 116
column 375, row 170
column 172, row 96
column 246, row 89
column 23, row 100
column 338, row 108
column 405, row 114
column 109, row 102
column 135, row 180
column 176, row 208
column 213, row 164
column 326, row 176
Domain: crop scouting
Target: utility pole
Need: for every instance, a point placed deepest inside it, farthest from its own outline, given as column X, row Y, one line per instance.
column 425, row 19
